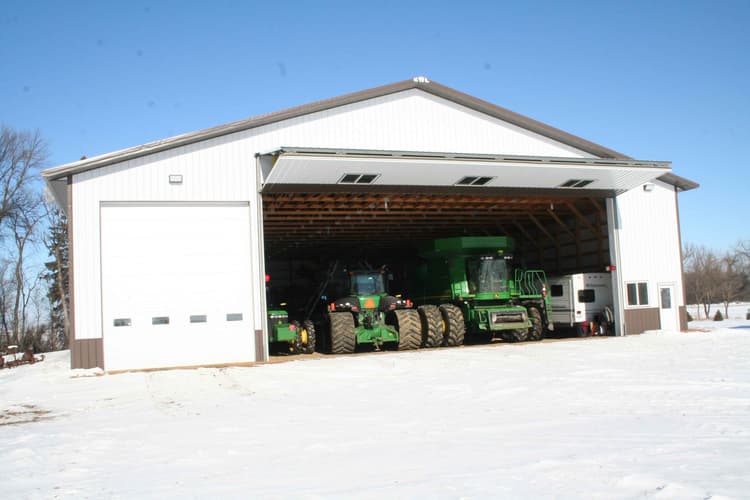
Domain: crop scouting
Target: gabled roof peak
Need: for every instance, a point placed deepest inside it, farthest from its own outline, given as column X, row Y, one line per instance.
column 419, row 82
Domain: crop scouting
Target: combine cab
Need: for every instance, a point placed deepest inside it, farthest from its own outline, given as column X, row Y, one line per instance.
column 370, row 316
column 479, row 292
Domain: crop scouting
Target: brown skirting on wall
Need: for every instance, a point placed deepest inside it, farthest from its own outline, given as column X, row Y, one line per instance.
column 87, row 353
column 683, row 319
column 639, row 320
column 260, row 346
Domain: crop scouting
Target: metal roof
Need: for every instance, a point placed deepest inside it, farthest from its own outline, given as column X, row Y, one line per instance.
column 420, row 83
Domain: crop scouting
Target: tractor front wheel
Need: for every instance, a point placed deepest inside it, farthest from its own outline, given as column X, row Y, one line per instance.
column 343, row 338
column 308, row 337
column 432, row 328
column 454, row 328
column 409, row 331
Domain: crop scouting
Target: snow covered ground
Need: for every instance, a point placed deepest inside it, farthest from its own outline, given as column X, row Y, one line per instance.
column 662, row 415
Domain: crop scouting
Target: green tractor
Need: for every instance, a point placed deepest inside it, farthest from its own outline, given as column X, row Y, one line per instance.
column 479, row 292
column 300, row 338
column 368, row 315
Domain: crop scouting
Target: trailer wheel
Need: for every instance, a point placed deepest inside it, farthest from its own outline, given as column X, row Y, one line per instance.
column 432, row 328
column 308, row 337
column 454, row 328
column 536, row 330
column 343, row 339
column 409, row 331
column 515, row 335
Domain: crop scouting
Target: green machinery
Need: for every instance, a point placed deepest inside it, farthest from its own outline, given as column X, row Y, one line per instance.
column 299, row 337
column 474, row 285
column 370, row 316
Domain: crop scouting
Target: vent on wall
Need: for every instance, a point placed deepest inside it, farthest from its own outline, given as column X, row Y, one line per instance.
column 358, row 178
column 576, row 183
column 473, row 181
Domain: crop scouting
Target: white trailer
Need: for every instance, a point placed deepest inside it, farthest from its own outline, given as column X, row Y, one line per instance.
column 582, row 302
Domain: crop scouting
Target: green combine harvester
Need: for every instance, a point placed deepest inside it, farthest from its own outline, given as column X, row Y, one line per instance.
column 369, row 315
column 477, row 290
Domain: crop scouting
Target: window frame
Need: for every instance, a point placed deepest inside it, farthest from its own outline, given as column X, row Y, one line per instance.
column 639, row 285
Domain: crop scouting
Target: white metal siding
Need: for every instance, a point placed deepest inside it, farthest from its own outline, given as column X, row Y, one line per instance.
column 224, row 169
column 649, row 241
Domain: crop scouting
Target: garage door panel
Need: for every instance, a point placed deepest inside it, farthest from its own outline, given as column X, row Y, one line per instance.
column 163, row 264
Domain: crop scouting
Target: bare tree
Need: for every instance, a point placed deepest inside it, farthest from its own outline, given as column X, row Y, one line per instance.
column 703, row 276
column 21, row 156
column 731, row 280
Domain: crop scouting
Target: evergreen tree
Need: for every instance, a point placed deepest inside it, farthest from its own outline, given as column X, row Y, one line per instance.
column 58, row 278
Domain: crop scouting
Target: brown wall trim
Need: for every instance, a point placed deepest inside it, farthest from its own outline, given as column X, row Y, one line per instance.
column 683, row 319
column 87, row 353
column 639, row 320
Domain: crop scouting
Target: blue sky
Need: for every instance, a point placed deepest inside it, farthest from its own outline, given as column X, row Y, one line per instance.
column 657, row 80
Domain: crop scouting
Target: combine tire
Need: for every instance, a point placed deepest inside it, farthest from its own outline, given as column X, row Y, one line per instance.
column 536, row 330
column 308, row 337
column 515, row 335
column 343, row 338
column 409, row 331
column 432, row 327
column 454, row 328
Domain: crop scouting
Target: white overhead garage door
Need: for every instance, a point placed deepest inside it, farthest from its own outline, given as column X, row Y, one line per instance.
column 176, row 285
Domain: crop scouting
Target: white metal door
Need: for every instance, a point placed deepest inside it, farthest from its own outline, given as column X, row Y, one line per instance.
column 668, row 313
column 176, row 285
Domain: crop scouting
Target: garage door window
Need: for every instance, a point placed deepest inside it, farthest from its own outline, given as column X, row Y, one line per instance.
column 637, row 294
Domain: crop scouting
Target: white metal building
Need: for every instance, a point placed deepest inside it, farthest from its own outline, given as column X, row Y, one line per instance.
column 168, row 239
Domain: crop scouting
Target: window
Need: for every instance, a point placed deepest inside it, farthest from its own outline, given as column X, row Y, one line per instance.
column 637, row 294
column 234, row 317
column 556, row 290
column 122, row 322
column 160, row 320
column 586, row 295
column 198, row 318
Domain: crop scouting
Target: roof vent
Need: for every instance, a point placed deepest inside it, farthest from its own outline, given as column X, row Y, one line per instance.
column 420, row 79
column 358, row 178
column 473, row 181
column 576, row 183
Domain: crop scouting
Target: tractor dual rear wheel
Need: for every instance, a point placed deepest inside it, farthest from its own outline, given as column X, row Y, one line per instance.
column 409, row 329
column 454, row 328
column 343, row 338
column 432, row 327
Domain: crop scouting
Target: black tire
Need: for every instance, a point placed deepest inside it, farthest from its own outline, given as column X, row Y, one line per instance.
column 432, row 328
column 515, row 335
column 309, row 347
column 581, row 332
column 343, row 338
column 295, row 346
column 454, row 328
column 536, row 330
column 409, row 329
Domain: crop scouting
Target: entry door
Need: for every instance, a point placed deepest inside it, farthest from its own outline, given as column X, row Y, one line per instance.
column 668, row 313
